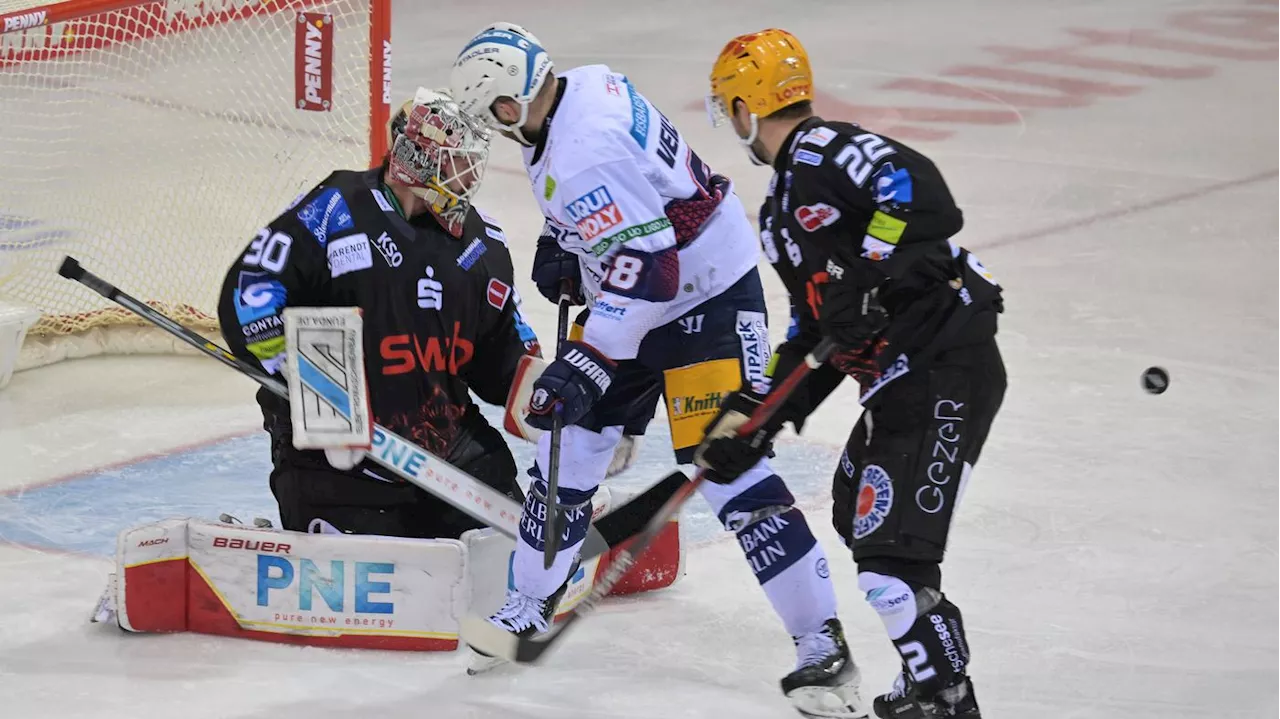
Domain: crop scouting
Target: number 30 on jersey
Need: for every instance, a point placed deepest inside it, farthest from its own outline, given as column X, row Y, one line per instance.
column 270, row 251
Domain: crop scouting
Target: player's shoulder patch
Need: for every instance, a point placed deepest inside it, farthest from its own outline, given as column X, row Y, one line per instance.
column 615, row 84
column 482, row 237
column 808, row 157
column 384, row 204
column 473, row 251
column 326, row 214
column 640, row 115
column 892, row 185
column 491, row 227
column 497, row 292
column 816, row 216
column 820, row 136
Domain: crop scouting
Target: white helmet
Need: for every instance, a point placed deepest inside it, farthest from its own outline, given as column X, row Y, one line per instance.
column 503, row 60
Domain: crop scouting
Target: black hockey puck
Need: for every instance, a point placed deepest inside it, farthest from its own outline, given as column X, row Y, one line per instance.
column 1155, row 380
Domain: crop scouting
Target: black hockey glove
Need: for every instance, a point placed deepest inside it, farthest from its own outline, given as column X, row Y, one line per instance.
column 576, row 380
column 722, row 451
column 551, row 265
column 851, row 315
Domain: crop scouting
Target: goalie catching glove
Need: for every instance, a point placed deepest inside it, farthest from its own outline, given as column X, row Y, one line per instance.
column 573, row 383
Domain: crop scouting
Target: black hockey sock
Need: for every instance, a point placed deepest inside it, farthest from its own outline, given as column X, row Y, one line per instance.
column 935, row 652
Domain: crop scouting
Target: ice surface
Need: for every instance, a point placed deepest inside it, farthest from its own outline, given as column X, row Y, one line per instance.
column 1116, row 554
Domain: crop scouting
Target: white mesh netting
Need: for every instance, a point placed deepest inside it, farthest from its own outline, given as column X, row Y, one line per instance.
column 150, row 142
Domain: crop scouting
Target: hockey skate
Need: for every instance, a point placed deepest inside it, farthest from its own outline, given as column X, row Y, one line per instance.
column 904, row 702
column 522, row 615
column 825, row 682
column 105, row 610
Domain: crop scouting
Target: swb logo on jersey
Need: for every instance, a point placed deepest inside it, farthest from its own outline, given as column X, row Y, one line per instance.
column 402, row 354
column 594, row 213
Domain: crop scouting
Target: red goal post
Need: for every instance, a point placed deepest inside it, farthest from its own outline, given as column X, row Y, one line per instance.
column 150, row 138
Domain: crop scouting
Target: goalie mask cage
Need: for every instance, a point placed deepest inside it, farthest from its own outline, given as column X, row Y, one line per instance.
column 151, row 139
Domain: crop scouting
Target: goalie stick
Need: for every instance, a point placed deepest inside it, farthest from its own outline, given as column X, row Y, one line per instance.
column 403, row 458
column 488, row 638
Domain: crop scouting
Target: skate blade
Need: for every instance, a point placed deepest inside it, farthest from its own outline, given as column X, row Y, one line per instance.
column 840, row 702
column 487, row 639
column 105, row 610
column 478, row 663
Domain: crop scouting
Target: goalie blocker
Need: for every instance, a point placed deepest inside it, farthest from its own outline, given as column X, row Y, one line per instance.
column 336, row 590
column 328, row 390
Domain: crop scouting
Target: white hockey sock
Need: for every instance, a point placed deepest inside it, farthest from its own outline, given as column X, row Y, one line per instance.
column 584, row 458
column 796, row 581
column 531, row 578
column 784, row 555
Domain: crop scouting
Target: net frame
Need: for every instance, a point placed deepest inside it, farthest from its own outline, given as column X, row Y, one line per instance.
column 31, row 28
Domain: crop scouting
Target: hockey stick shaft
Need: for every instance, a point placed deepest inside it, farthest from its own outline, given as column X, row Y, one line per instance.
column 529, row 649
column 768, row 408
column 551, row 541
column 403, row 458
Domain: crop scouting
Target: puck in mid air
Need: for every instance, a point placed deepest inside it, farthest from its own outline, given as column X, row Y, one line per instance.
column 1155, row 380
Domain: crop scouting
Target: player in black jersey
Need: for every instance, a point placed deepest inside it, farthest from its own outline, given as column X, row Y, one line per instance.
column 858, row 226
column 433, row 278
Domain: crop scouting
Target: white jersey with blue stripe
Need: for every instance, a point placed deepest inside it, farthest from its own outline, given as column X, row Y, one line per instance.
column 656, row 232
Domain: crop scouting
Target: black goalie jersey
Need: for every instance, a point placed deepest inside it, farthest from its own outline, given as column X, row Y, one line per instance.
column 847, row 205
column 440, row 313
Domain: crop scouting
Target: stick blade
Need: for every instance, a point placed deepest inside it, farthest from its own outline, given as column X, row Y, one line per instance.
column 70, row 268
column 629, row 519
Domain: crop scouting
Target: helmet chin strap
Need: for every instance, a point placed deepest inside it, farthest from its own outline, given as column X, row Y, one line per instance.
column 515, row 127
column 750, row 140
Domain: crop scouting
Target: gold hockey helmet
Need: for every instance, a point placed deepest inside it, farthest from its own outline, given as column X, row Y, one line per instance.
column 768, row 70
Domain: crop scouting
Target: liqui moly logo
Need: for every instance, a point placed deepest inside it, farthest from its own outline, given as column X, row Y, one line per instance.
column 594, row 213
column 313, row 62
column 26, row 20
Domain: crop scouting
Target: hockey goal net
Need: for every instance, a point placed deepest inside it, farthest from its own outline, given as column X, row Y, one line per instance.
column 150, row 139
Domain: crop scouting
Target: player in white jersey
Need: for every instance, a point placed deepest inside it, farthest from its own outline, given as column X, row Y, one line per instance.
column 663, row 254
